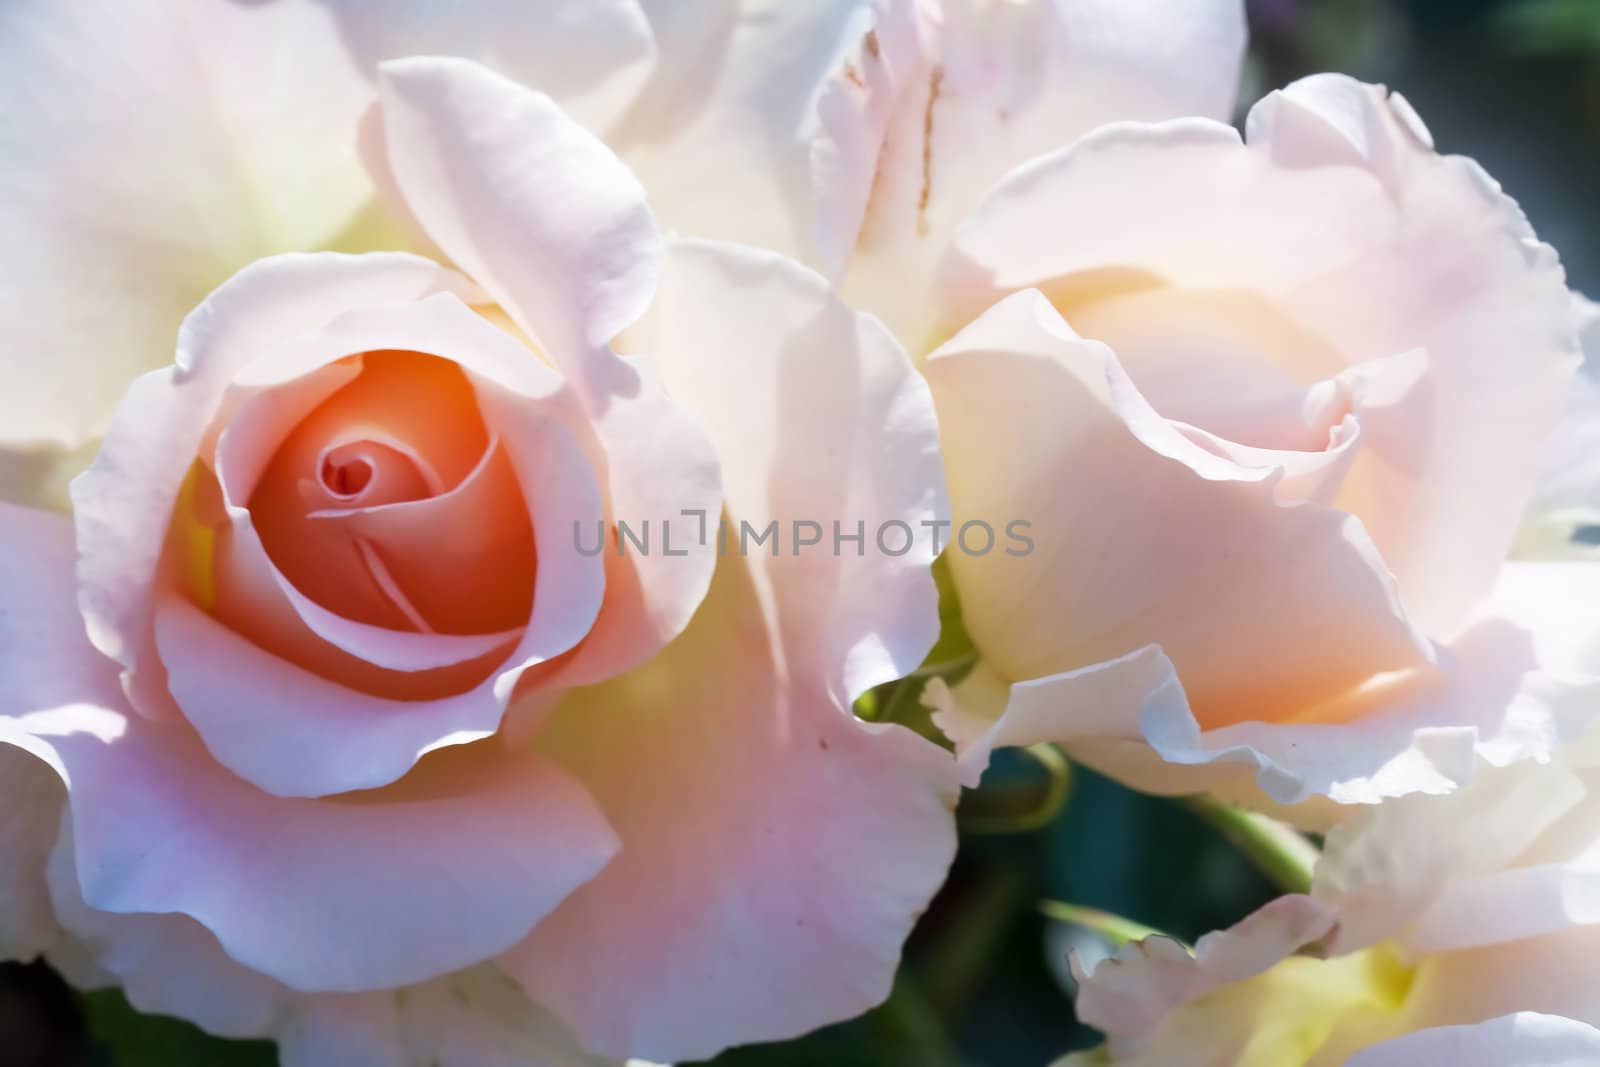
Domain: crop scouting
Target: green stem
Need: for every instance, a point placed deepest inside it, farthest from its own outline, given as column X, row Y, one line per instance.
column 1276, row 849
column 917, row 1024
column 1113, row 927
column 1057, row 792
column 958, row 962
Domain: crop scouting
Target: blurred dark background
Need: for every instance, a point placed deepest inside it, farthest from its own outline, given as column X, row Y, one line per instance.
column 1514, row 84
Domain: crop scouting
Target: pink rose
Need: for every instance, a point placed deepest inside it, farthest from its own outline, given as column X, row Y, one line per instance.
column 373, row 747
column 1439, row 930
column 1273, row 408
column 149, row 158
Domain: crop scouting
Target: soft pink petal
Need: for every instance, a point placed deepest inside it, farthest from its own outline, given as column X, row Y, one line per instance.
column 719, row 134
column 255, row 599
column 363, row 739
column 1129, row 995
column 874, row 116
column 370, row 734
column 405, row 430
column 775, row 850
column 346, row 894
column 1399, row 249
column 478, row 1017
column 269, row 456
column 1553, row 974
column 1568, row 494
column 553, row 225
column 538, row 422
column 43, row 648
column 147, row 159
column 525, row 200
column 592, row 55
column 658, row 474
column 482, row 1018
column 167, row 964
column 361, row 1030
column 1525, row 1039
column 1316, row 435
column 755, row 736
column 1133, row 692
column 1426, row 731
column 819, row 419
column 1142, row 537
column 920, row 120
column 466, row 560
column 294, row 733
column 1555, row 603
column 112, row 151
column 386, row 889
column 122, row 504
column 1095, row 710
column 1383, row 870
column 1509, row 906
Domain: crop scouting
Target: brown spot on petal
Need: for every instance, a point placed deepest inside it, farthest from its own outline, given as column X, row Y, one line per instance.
column 935, row 80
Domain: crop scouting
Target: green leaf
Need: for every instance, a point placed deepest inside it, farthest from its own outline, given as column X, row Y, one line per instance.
column 951, row 658
column 126, row 1038
column 1552, row 25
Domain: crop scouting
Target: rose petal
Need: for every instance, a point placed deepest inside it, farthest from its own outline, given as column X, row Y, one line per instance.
column 465, row 560
column 1427, row 731
column 1554, row 603
column 124, row 501
column 266, row 455
column 744, row 76
column 167, row 964
column 934, row 107
column 1143, row 537
column 255, row 599
column 526, row 201
column 245, row 116
column 530, row 410
column 1097, row 711
column 1129, row 995
column 293, row 733
column 105, row 249
column 592, row 55
column 1489, row 698
column 760, row 821
column 1400, row 249
column 482, row 1018
column 1526, row 1039
column 729, row 762
column 474, row 1018
column 1567, row 497
column 556, row 228
column 362, row 740
column 1384, row 869
column 750, row 343
column 658, row 472
column 1553, row 974
column 162, row 828
column 361, row 1030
